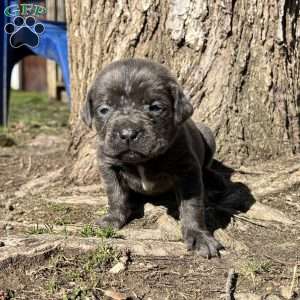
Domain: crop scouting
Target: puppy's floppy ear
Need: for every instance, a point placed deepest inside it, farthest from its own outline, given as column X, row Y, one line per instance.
column 183, row 109
column 87, row 113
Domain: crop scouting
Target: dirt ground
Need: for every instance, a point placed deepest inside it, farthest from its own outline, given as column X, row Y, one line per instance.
column 49, row 248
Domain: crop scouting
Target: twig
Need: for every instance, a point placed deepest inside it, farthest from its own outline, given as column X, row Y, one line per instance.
column 293, row 280
column 29, row 166
column 21, row 163
column 230, row 284
column 275, row 259
column 236, row 214
column 135, row 295
column 249, row 221
column 184, row 295
column 248, row 172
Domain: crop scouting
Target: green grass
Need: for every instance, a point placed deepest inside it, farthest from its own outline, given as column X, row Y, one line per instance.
column 52, row 285
column 77, row 293
column 103, row 256
column 101, row 211
column 34, row 110
column 254, row 267
column 91, row 231
column 84, row 271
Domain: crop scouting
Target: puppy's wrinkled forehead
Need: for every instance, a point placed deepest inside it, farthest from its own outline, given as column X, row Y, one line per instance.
column 137, row 79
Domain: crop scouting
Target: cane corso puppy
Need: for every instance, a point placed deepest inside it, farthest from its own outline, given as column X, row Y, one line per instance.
column 149, row 145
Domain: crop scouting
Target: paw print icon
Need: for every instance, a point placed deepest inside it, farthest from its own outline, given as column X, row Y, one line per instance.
column 24, row 32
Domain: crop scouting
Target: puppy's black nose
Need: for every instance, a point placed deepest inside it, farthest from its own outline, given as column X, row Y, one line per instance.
column 128, row 134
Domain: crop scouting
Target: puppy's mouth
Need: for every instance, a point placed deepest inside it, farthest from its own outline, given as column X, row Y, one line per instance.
column 129, row 156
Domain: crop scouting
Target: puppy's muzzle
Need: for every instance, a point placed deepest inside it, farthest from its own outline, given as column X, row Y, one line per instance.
column 128, row 135
column 128, row 140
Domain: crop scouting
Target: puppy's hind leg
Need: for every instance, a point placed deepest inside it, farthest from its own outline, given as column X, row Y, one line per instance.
column 209, row 142
column 212, row 180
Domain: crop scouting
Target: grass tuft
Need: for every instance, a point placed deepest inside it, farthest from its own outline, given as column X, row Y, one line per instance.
column 89, row 230
column 254, row 267
column 103, row 256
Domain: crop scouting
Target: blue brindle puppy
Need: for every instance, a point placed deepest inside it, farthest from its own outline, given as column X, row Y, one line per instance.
column 149, row 145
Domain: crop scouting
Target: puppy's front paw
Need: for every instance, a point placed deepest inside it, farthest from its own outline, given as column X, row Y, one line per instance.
column 202, row 242
column 110, row 221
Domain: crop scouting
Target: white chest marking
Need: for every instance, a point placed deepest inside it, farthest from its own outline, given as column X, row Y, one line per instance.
column 147, row 185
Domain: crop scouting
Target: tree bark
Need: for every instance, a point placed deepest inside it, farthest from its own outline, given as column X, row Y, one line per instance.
column 238, row 60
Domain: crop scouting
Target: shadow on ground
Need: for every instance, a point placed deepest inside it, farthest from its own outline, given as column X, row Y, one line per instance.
column 223, row 203
column 224, row 198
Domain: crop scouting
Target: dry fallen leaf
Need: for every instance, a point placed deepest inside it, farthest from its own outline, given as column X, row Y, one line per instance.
column 119, row 267
column 115, row 295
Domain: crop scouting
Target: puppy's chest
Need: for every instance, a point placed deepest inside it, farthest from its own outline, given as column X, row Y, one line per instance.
column 148, row 182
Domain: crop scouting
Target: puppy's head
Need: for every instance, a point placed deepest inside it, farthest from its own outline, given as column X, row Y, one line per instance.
column 137, row 107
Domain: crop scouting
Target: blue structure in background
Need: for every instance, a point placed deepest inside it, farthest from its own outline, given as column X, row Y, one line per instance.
column 53, row 44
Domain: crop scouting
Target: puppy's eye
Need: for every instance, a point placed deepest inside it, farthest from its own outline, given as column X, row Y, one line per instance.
column 103, row 110
column 155, row 107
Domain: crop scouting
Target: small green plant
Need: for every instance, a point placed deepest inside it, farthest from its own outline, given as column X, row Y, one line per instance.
column 73, row 275
column 44, row 229
column 91, row 231
column 77, row 294
column 52, row 285
column 103, row 256
column 87, row 231
column 102, row 211
column 254, row 267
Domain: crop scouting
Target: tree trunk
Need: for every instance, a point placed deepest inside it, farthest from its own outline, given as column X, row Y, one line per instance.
column 237, row 60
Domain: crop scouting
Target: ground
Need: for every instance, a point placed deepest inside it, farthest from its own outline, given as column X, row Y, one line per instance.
column 49, row 248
